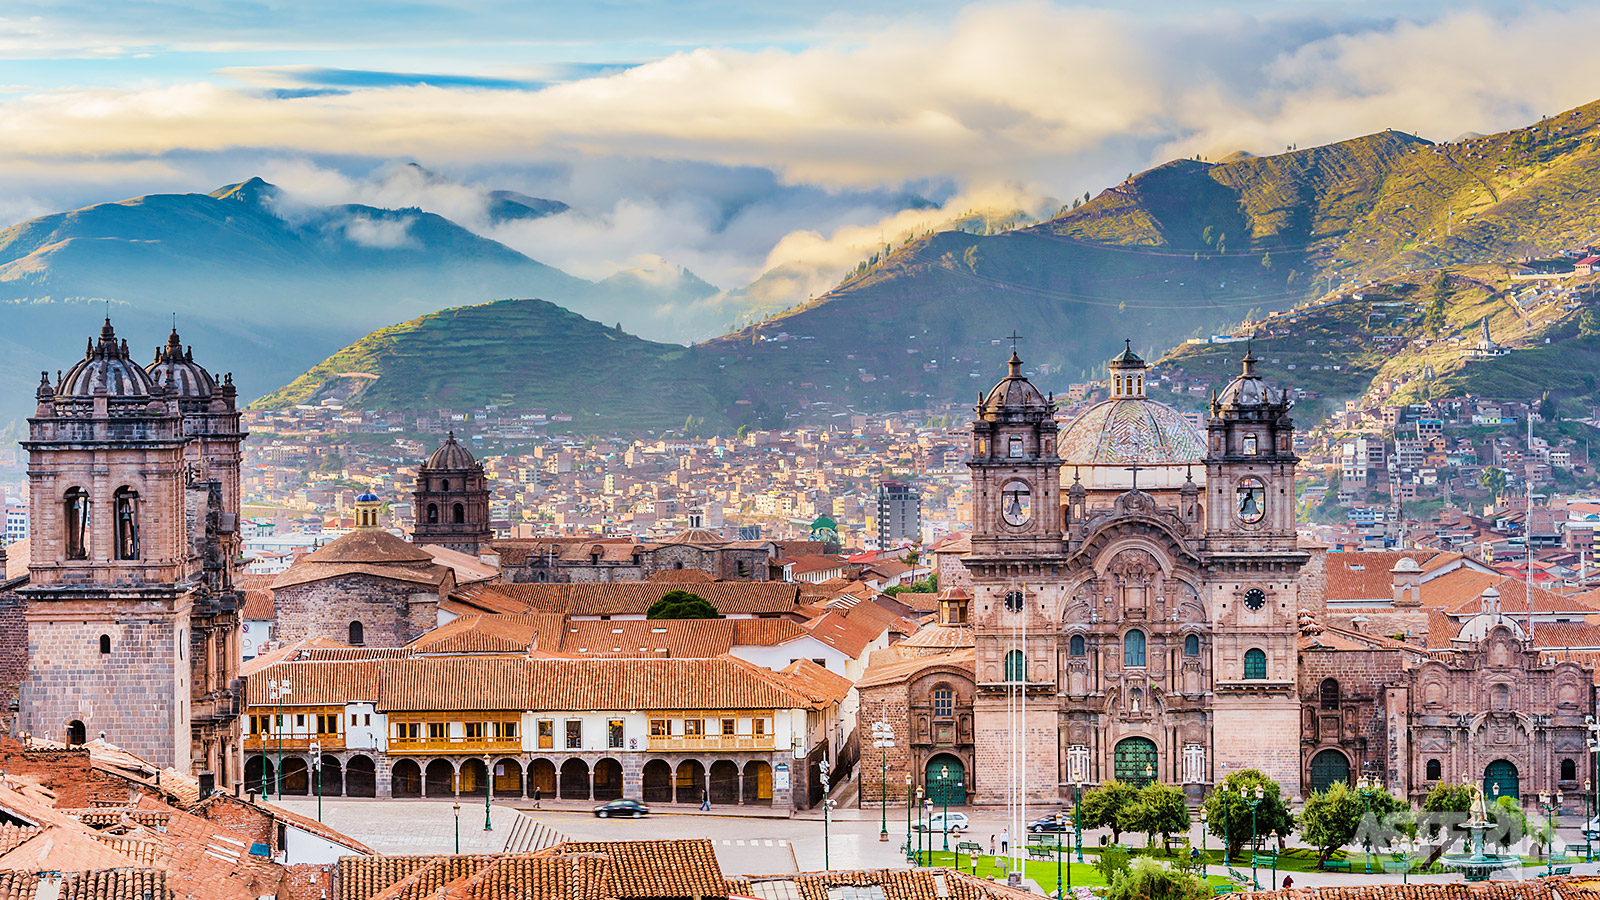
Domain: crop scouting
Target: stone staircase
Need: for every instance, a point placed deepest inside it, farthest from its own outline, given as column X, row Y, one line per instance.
column 529, row 834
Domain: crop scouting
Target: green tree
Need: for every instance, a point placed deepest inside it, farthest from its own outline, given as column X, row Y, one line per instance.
column 680, row 604
column 1103, row 805
column 1547, row 408
column 1336, row 816
column 1589, row 323
column 1150, row 880
column 1444, row 799
column 1510, row 822
column 1226, row 804
column 1495, row 480
column 1161, row 809
column 1113, row 862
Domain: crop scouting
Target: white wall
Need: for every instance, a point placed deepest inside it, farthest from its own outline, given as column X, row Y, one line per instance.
column 304, row 847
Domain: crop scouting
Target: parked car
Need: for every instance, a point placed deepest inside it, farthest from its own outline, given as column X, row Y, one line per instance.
column 621, row 808
column 1591, row 829
column 1050, row 823
column 955, row 823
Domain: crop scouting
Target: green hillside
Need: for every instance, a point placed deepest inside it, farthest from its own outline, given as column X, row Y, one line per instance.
column 517, row 353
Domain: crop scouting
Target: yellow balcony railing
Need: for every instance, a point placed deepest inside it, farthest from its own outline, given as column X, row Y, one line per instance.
column 712, row 742
column 421, row 745
column 298, row 742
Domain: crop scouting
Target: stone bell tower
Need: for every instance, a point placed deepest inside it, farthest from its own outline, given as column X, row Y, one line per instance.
column 1253, row 563
column 452, row 501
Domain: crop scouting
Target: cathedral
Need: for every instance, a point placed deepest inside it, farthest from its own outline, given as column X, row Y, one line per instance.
column 1142, row 609
column 131, row 614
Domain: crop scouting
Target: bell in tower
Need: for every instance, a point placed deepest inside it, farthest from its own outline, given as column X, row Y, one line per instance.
column 1250, row 465
column 1016, row 474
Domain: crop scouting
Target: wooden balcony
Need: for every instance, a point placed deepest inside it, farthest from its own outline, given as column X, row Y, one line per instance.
column 698, row 742
column 448, row 745
column 299, row 743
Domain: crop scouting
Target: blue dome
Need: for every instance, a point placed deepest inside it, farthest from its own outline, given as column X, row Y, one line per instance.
column 368, row 497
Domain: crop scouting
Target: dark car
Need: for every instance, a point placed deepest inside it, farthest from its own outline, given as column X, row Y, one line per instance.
column 621, row 808
column 1050, row 823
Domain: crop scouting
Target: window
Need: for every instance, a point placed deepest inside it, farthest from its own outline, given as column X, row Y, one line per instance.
column 1329, row 694
column 693, row 727
column 357, row 634
column 75, row 515
column 760, row 727
column 574, row 734
column 944, row 702
column 1249, row 445
column 1435, row 770
column 436, row 731
column 408, row 731
column 547, row 734
column 1255, row 664
column 1016, row 503
column 1016, row 666
column 328, row 724
column 257, row 724
column 505, row 730
column 1133, row 648
column 1191, row 645
column 474, row 731
column 459, row 514
column 661, row 728
column 126, row 503
column 1076, row 647
column 433, row 513
column 352, row 718
column 614, row 734
column 444, row 484
column 1569, row 770
column 1014, row 447
column 366, row 718
column 727, row 727
column 105, row 643
column 300, row 720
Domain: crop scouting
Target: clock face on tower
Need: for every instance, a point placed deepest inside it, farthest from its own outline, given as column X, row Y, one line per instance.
column 1255, row 598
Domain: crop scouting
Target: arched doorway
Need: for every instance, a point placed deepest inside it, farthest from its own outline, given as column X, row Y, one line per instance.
column 508, row 778
column 574, row 780
column 690, row 782
column 441, row 780
column 657, row 781
column 542, row 778
column 946, row 780
column 1135, row 761
column 1328, row 768
column 77, row 734
column 758, row 782
column 332, row 776
column 1501, row 775
column 406, row 779
column 296, row 777
column 473, row 779
column 607, row 780
column 724, row 781
column 360, row 777
column 257, row 774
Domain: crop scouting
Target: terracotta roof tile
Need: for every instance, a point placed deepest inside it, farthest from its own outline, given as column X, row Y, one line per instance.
column 630, row 598
column 892, row 667
column 667, row 869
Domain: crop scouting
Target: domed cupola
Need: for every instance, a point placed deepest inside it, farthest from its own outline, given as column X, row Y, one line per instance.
column 450, row 456
column 175, row 370
column 1014, row 394
column 106, row 369
column 1129, row 440
column 1248, row 392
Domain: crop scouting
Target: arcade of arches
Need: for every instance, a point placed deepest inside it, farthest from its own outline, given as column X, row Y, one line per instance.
column 722, row 782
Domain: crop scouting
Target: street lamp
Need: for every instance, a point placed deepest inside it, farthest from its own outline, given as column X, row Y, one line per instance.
column 1274, row 840
column 823, row 767
column 457, row 807
column 1588, row 851
column 1077, row 818
column 1551, row 804
column 883, row 739
column 488, row 788
column 944, row 790
column 1254, row 802
column 927, row 828
column 1594, row 761
column 276, row 691
column 908, row 817
column 1061, row 828
column 316, row 762
column 1149, row 774
column 1367, row 786
column 1227, row 836
column 1205, row 853
column 917, row 860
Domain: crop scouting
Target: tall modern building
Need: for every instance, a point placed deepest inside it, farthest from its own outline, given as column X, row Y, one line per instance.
column 133, row 620
column 899, row 513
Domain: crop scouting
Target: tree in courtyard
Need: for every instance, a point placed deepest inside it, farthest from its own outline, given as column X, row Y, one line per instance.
column 1103, row 805
column 680, row 604
column 1510, row 822
column 1147, row 879
column 1160, row 809
column 1227, row 807
column 1446, row 802
column 1336, row 816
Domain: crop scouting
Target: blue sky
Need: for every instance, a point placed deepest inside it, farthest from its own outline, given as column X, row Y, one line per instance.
column 731, row 137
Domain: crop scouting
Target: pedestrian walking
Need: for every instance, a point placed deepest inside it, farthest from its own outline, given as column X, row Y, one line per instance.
column 991, row 845
column 1288, row 882
column 705, row 799
column 537, row 796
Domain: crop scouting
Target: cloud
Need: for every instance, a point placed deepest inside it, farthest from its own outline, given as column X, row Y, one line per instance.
column 351, row 79
column 383, row 234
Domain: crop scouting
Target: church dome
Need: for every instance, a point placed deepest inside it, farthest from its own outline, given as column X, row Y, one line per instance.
column 368, row 497
column 1249, row 389
column 1130, row 429
column 450, row 456
column 1014, row 393
column 175, row 370
column 106, row 368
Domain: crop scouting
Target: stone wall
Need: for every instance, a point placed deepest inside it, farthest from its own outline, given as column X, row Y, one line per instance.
column 383, row 606
column 13, row 653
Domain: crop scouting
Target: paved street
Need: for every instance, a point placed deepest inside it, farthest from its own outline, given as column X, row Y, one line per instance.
column 746, row 845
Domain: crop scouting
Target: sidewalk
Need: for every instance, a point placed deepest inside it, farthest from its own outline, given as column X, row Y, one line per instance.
column 675, row 809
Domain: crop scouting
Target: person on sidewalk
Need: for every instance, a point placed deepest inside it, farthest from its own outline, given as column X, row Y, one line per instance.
column 705, row 799
column 537, row 796
column 1288, row 882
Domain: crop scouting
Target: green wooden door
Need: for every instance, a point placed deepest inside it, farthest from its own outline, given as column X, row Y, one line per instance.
column 946, row 780
column 1328, row 767
column 1503, row 775
column 1136, row 761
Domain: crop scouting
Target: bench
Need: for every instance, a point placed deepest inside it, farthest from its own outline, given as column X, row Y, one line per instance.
column 1336, row 865
column 1563, row 870
column 1260, row 860
column 1040, row 851
column 1223, row 889
column 971, row 848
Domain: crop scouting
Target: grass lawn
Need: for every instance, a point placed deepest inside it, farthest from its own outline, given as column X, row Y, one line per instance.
column 1082, row 874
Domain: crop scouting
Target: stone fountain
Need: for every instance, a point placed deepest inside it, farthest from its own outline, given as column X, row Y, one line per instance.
column 1478, row 865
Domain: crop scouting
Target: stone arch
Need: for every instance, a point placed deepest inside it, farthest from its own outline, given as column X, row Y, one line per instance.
column 508, row 778
column 542, row 778
column 77, row 733
column 1327, row 767
column 439, row 779
column 473, row 778
column 657, row 777
column 607, row 779
column 332, row 776
column 360, row 777
column 257, row 774
column 296, row 777
column 689, row 781
column 724, row 782
column 574, row 779
column 406, row 779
